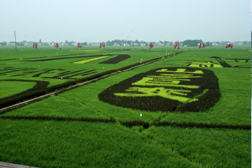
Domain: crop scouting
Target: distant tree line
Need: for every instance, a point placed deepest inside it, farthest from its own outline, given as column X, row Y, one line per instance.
column 126, row 43
column 70, row 43
column 192, row 42
column 117, row 42
column 3, row 43
column 196, row 42
column 136, row 43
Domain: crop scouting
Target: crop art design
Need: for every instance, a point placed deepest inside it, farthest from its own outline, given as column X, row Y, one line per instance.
column 90, row 60
column 205, row 64
column 239, row 62
column 117, row 59
column 166, row 89
column 39, row 86
column 221, row 61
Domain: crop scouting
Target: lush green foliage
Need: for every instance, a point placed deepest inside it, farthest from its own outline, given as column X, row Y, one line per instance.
column 9, row 88
column 192, row 42
column 61, row 66
column 86, row 144
column 206, row 147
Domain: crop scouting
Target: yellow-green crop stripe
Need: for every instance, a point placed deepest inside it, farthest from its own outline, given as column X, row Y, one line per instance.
column 90, row 60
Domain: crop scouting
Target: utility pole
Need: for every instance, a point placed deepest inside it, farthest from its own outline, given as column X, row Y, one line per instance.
column 15, row 40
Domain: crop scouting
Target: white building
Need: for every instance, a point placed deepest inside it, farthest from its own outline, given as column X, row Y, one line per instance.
column 28, row 43
column 11, row 44
column 116, row 44
column 74, row 44
column 94, row 44
column 142, row 44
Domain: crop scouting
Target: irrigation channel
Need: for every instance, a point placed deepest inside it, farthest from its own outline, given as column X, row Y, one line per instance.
column 85, row 82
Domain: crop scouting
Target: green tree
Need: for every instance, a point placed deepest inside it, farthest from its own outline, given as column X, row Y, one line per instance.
column 192, row 42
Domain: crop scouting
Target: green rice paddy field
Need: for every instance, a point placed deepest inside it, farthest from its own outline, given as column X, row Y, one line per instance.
column 192, row 109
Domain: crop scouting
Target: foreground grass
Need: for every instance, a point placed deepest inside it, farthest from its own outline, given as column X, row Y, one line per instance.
column 78, row 144
column 82, row 144
column 207, row 147
column 12, row 88
column 233, row 107
column 73, row 144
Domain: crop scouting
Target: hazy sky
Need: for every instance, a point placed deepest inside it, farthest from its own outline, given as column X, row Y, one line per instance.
column 102, row 20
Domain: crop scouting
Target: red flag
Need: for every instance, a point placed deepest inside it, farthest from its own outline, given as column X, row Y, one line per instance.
column 229, row 45
column 79, row 46
column 200, row 46
column 102, row 45
column 35, row 46
column 175, row 45
column 151, row 45
column 57, row 45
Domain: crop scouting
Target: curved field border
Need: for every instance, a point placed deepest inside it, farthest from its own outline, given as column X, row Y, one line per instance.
column 21, row 100
column 40, row 85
